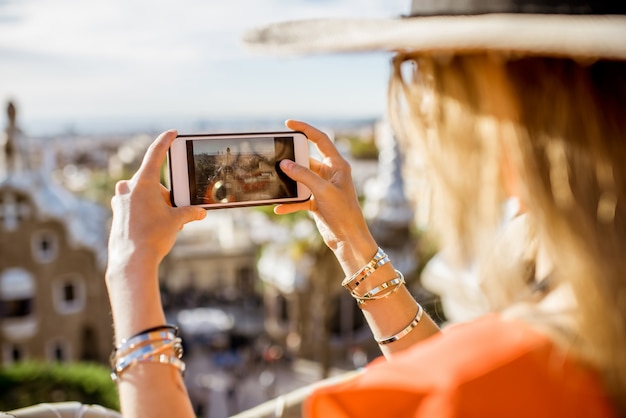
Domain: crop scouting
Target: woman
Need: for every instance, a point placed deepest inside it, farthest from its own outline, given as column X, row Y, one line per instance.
column 501, row 103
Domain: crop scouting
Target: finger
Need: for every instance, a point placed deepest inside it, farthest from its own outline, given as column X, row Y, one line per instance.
column 315, row 165
column 287, row 208
column 165, row 193
column 122, row 187
column 303, row 175
column 114, row 201
column 319, row 138
column 155, row 155
column 188, row 214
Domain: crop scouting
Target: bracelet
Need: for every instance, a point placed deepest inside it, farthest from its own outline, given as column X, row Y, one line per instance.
column 120, row 364
column 406, row 330
column 149, row 350
column 379, row 259
column 393, row 284
column 148, row 346
column 141, row 339
column 165, row 359
column 127, row 362
column 172, row 328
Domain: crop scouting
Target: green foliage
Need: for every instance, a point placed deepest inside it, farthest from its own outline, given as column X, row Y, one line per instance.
column 31, row 383
column 363, row 148
column 101, row 188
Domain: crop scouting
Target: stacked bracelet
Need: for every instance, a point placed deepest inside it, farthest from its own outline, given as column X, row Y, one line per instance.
column 379, row 259
column 381, row 291
column 172, row 328
column 142, row 339
column 148, row 346
column 405, row 331
column 165, row 359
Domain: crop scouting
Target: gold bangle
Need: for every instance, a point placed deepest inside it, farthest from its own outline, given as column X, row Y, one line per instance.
column 391, row 286
column 405, row 331
column 379, row 259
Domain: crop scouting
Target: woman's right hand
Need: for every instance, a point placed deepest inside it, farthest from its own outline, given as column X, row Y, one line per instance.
column 143, row 231
column 334, row 203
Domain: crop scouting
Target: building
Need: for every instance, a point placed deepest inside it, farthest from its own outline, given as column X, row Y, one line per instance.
column 213, row 265
column 53, row 300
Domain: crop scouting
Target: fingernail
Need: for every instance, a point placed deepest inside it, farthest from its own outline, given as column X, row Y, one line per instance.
column 286, row 164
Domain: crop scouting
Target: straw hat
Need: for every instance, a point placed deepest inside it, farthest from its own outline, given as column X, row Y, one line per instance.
column 568, row 28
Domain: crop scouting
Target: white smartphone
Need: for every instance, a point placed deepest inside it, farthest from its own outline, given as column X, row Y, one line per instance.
column 236, row 169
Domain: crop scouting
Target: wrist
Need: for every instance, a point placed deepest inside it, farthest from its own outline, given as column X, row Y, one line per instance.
column 133, row 288
column 354, row 254
column 134, row 312
column 124, row 263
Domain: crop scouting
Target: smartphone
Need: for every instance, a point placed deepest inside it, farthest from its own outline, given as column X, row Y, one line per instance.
column 236, row 169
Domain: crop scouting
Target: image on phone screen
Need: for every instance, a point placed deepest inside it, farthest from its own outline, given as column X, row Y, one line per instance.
column 228, row 171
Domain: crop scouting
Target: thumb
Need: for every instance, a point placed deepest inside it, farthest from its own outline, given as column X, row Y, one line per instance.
column 188, row 214
column 301, row 174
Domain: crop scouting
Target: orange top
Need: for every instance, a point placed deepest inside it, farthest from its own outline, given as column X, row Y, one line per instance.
column 487, row 368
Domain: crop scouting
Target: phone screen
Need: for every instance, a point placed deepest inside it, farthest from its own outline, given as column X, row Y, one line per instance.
column 226, row 170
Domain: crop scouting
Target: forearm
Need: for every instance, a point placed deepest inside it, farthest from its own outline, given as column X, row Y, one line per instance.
column 154, row 390
column 391, row 314
column 134, row 294
column 144, row 386
column 387, row 317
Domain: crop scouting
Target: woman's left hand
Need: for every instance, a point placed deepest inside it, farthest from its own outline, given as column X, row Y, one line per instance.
column 334, row 202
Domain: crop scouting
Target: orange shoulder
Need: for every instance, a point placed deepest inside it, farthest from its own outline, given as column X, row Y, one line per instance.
column 486, row 368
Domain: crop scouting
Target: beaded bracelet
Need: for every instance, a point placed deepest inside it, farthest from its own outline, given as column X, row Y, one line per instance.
column 392, row 286
column 379, row 259
column 405, row 331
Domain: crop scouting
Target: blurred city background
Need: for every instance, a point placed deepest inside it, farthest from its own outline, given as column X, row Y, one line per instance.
column 84, row 90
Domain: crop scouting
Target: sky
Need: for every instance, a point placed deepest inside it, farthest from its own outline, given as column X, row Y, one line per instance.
column 69, row 63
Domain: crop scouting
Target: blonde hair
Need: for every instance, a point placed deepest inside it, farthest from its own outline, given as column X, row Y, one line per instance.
column 561, row 124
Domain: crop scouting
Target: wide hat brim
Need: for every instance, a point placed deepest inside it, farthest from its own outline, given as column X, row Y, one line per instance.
column 576, row 36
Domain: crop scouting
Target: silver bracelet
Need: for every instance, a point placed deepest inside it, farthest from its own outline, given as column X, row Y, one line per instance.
column 379, row 259
column 174, row 361
column 141, row 338
column 124, row 362
column 393, row 284
column 406, row 330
